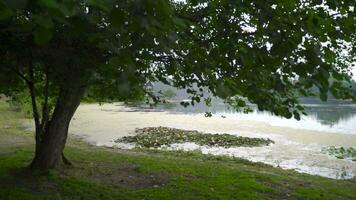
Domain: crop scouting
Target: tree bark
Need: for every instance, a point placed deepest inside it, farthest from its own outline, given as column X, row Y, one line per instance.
column 54, row 137
column 31, row 85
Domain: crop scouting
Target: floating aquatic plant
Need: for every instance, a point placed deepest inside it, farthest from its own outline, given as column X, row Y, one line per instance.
column 341, row 152
column 160, row 136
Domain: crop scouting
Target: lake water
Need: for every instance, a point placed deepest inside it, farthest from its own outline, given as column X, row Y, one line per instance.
column 298, row 144
column 336, row 118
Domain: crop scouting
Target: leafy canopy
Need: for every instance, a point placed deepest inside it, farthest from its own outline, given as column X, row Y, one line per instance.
column 264, row 52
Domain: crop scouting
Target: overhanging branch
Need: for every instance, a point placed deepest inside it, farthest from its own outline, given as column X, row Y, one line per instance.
column 21, row 75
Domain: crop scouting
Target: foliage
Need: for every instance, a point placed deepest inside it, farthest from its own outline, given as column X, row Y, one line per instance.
column 267, row 51
column 59, row 50
column 163, row 136
column 100, row 38
column 341, row 152
column 22, row 101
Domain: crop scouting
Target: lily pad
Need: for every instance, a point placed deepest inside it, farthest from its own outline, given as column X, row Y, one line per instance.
column 341, row 152
column 163, row 136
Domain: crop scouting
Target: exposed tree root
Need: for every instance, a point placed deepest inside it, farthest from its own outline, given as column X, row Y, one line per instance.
column 66, row 161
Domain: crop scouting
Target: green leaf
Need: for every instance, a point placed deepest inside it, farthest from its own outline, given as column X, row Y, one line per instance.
column 44, row 21
column 337, row 75
column 5, row 13
column 49, row 3
column 296, row 115
column 116, row 17
column 180, row 22
column 43, row 31
column 16, row 4
column 42, row 36
column 105, row 5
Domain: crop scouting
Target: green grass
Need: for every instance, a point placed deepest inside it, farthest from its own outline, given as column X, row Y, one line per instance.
column 102, row 173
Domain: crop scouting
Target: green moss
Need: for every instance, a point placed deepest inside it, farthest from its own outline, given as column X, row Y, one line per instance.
column 159, row 136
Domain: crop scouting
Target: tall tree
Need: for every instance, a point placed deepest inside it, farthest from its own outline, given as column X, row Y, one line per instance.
column 264, row 52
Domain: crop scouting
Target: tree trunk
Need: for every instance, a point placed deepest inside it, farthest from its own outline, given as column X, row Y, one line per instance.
column 54, row 137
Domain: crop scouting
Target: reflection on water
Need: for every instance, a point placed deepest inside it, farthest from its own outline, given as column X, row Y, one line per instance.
column 332, row 114
column 322, row 117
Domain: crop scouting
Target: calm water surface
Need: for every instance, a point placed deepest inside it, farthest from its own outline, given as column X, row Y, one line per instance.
column 338, row 118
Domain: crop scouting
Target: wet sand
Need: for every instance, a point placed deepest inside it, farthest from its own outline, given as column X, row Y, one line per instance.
column 295, row 148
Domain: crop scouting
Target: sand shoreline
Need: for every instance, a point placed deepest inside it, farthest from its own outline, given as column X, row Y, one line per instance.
column 119, row 121
column 297, row 149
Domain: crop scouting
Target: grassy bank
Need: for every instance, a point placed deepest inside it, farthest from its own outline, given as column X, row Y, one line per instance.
column 100, row 173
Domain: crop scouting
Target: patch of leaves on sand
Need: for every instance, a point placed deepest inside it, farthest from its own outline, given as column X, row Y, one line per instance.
column 341, row 152
column 162, row 136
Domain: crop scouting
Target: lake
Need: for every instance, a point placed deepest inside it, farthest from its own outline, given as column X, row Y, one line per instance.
column 331, row 117
column 298, row 144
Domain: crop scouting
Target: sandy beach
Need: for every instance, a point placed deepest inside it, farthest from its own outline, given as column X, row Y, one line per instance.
column 295, row 148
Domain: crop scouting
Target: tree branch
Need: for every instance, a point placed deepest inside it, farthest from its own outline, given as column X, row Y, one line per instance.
column 21, row 75
column 45, row 110
column 7, row 29
column 31, row 86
